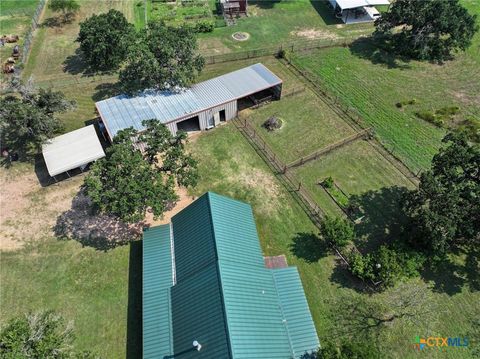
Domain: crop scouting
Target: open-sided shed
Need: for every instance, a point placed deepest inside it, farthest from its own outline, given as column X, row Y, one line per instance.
column 355, row 11
column 72, row 150
column 200, row 107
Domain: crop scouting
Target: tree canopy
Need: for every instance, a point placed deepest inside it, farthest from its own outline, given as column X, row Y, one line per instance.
column 164, row 57
column 337, row 231
column 127, row 182
column 445, row 209
column 66, row 7
column 105, row 39
column 427, row 30
column 28, row 119
column 38, row 335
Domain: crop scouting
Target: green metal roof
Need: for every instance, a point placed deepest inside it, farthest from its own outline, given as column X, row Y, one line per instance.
column 157, row 281
column 224, row 297
column 300, row 326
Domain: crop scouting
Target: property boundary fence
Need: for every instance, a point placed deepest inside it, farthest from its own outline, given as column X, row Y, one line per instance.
column 29, row 35
column 312, row 156
column 277, row 49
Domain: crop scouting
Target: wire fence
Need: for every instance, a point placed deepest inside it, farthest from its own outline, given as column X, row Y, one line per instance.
column 323, row 151
column 352, row 117
column 276, row 50
column 29, row 35
column 295, row 187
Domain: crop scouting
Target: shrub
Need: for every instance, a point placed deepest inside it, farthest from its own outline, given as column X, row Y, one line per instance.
column 429, row 117
column 406, row 102
column 328, row 182
column 205, row 26
column 471, row 128
column 273, row 123
column 448, row 111
column 337, row 231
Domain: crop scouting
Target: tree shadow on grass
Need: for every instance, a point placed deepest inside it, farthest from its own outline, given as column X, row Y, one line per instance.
column 342, row 276
column 382, row 218
column 377, row 50
column 134, row 311
column 451, row 274
column 106, row 90
column 99, row 231
column 75, row 64
column 264, row 4
column 309, row 247
column 57, row 21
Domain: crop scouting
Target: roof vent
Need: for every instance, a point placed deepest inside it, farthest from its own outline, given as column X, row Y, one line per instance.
column 197, row 345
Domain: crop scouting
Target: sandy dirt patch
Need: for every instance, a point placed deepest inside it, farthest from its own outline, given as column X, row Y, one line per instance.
column 184, row 201
column 314, row 34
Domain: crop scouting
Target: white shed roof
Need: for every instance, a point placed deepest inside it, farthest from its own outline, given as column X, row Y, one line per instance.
column 72, row 150
column 351, row 4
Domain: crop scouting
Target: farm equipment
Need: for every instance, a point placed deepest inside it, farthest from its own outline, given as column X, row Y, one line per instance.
column 9, row 66
column 8, row 39
column 16, row 52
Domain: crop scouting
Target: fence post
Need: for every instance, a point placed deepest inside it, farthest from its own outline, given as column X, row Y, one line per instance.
column 299, row 186
column 284, row 169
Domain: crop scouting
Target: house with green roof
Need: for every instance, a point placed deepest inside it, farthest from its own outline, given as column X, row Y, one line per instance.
column 208, row 294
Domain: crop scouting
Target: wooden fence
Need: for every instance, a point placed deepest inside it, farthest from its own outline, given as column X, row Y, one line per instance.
column 313, row 156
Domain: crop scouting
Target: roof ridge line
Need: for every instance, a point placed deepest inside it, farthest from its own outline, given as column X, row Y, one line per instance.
column 219, row 277
column 284, row 318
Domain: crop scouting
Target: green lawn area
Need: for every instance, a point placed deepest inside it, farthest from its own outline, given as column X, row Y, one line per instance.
column 15, row 19
column 363, row 81
column 272, row 22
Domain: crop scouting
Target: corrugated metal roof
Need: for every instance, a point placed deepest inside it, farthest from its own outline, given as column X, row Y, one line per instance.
column 300, row 326
column 157, row 281
column 123, row 111
column 225, row 298
column 72, row 150
column 197, row 312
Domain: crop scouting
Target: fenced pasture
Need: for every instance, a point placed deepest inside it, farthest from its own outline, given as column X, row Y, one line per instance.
column 375, row 89
column 271, row 23
column 54, row 52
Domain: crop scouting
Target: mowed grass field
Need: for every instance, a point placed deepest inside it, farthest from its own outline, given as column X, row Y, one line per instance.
column 373, row 84
column 273, row 22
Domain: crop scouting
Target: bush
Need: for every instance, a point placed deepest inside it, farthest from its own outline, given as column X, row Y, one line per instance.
column 471, row 128
column 429, row 117
column 337, row 231
column 273, row 123
column 386, row 265
column 205, row 26
column 448, row 111
column 328, row 182
column 407, row 102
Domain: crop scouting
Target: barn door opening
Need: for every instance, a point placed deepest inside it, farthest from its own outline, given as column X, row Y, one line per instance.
column 223, row 117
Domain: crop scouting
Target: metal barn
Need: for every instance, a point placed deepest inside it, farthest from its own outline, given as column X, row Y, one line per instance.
column 203, row 106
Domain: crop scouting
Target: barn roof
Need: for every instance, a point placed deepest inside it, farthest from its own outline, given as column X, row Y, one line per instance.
column 72, row 150
column 125, row 111
column 219, row 292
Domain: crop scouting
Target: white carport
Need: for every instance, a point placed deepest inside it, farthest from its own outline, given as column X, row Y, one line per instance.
column 72, row 150
column 356, row 11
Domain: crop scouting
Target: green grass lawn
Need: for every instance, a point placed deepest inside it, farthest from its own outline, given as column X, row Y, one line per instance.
column 360, row 78
column 91, row 287
column 275, row 22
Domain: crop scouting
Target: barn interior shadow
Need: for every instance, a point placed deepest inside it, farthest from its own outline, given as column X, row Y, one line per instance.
column 134, row 311
column 91, row 229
